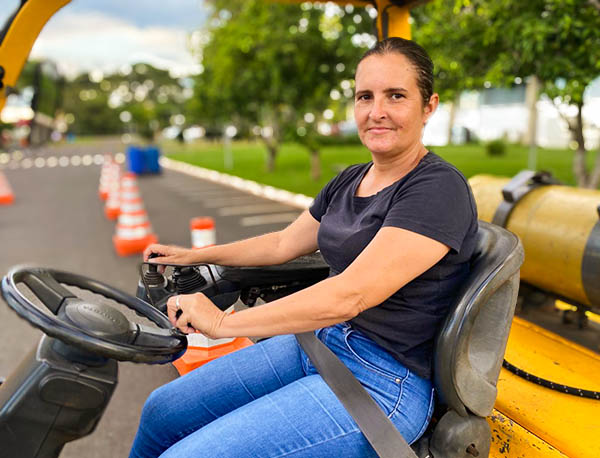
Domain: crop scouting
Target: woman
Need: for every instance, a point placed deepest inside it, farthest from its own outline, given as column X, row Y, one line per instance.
column 397, row 233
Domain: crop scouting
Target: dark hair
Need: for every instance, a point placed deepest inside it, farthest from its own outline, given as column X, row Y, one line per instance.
column 417, row 56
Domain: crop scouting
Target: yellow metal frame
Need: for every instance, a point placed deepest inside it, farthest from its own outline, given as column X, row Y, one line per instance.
column 393, row 20
column 20, row 37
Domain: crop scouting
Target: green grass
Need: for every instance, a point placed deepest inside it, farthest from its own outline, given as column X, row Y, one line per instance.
column 293, row 166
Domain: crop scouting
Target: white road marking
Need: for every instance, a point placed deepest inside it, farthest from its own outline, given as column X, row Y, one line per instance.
column 268, row 219
column 210, row 196
column 252, row 187
column 191, row 189
column 250, row 209
column 230, row 201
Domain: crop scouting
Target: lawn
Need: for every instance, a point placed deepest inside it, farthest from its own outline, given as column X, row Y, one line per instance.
column 292, row 164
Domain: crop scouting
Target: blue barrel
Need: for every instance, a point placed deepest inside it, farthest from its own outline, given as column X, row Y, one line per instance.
column 152, row 154
column 135, row 159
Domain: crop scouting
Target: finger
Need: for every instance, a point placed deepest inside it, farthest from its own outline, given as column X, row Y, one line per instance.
column 184, row 319
column 172, row 310
column 183, row 323
column 163, row 259
column 150, row 249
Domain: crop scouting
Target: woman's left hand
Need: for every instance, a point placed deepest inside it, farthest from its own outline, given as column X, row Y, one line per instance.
column 198, row 314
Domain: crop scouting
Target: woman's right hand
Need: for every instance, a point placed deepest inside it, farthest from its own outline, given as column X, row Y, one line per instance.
column 170, row 254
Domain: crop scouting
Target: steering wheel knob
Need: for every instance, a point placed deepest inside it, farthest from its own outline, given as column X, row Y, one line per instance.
column 99, row 319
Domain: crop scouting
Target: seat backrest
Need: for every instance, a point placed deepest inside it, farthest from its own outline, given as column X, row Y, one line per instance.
column 471, row 343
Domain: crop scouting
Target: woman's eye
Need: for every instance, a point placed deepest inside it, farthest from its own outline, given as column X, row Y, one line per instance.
column 363, row 97
column 397, row 96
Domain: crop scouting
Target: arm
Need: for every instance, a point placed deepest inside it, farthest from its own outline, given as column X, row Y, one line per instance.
column 393, row 258
column 297, row 239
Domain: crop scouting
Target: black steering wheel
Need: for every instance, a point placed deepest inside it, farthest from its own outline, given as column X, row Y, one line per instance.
column 91, row 326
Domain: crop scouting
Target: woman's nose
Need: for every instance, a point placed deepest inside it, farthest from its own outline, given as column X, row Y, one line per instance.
column 377, row 109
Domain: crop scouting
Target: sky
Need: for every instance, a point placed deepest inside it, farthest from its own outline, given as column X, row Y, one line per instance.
column 109, row 34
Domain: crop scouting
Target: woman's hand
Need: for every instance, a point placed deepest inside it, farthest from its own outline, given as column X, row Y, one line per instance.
column 197, row 314
column 171, row 254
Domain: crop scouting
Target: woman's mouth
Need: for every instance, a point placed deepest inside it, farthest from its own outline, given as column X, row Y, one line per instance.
column 379, row 130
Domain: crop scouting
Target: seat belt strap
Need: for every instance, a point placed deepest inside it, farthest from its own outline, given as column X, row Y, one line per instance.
column 372, row 421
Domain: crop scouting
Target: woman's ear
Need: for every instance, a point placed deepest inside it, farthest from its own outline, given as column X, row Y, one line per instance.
column 430, row 107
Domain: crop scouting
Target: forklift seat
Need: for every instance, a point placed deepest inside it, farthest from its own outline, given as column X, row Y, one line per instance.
column 471, row 343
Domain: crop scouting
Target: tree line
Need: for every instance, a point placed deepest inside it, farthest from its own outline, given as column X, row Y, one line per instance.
column 281, row 71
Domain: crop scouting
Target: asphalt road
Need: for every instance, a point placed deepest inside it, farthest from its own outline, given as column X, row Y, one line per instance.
column 57, row 221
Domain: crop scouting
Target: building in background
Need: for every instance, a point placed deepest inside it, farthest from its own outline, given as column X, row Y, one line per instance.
column 503, row 113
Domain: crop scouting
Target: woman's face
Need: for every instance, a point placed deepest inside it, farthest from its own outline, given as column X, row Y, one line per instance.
column 388, row 106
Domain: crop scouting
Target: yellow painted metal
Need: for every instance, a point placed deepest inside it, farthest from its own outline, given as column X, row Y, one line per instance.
column 568, row 423
column 398, row 24
column 560, row 305
column 511, row 440
column 21, row 35
column 339, row 2
column 553, row 223
column 487, row 190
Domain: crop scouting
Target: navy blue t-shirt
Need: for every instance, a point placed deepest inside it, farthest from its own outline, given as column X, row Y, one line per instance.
column 435, row 200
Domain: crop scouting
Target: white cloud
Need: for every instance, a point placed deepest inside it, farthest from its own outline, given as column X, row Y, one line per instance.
column 92, row 40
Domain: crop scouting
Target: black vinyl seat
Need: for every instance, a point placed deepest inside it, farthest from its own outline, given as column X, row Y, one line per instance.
column 470, row 346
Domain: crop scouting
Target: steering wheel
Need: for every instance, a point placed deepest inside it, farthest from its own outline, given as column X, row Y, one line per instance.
column 92, row 326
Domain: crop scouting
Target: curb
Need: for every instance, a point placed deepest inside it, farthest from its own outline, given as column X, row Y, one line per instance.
column 269, row 192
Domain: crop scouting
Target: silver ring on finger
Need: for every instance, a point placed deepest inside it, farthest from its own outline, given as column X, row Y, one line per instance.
column 177, row 305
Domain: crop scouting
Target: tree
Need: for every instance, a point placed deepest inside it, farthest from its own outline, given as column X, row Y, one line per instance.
column 149, row 96
column 557, row 41
column 274, row 66
column 452, row 37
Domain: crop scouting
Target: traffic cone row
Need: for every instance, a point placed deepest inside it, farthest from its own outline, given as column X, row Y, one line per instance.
column 133, row 232
column 106, row 176
column 6, row 195
column 113, row 201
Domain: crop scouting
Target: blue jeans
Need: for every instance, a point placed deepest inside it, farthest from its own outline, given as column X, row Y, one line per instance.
column 268, row 400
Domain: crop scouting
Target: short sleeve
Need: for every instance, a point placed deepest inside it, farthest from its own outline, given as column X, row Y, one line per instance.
column 319, row 206
column 438, row 204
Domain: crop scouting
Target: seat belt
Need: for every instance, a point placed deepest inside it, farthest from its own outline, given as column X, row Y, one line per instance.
column 372, row 421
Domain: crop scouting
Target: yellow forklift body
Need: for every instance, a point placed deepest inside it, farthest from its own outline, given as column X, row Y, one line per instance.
column 19, row 39
column 531, row 420
column 511, row 440
column 555, row 224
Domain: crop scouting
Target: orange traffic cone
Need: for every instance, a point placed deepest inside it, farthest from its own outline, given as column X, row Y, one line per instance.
column 6, row 195
column 203, row 232
column 133, row 233
column 201, row 350
column 113, row 202
column 105, row 177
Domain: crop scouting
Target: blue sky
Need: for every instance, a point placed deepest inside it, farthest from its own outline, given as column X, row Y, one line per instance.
column 109, row 34
column 185, row 14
